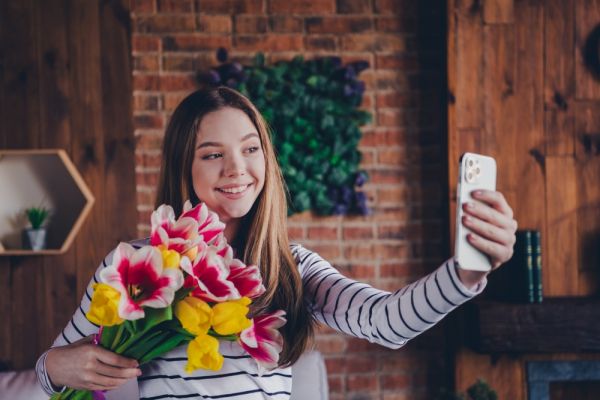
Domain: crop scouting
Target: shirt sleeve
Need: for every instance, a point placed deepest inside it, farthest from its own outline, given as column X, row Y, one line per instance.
column 389, row 319
column 77, row 328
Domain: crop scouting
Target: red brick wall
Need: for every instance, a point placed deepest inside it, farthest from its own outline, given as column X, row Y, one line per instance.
column 403, row 149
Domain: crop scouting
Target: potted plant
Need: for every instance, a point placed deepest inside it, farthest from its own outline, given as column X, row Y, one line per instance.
column 36, row 235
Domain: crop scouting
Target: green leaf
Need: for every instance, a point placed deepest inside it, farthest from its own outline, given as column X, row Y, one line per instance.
column 108, row 335
column 155, row 316
column 167, row 345
column 312, row 81
column 259, row 59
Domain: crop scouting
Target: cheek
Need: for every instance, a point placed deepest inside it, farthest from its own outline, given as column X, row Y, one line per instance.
column 200, row 178
column 260, row 170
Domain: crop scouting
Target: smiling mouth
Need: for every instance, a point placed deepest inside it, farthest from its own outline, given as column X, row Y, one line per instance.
column 234, row 190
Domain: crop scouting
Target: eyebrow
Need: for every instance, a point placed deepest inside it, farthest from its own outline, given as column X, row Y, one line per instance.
column 217, row 144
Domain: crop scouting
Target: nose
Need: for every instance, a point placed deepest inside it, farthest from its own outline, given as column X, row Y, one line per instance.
column 234, row 166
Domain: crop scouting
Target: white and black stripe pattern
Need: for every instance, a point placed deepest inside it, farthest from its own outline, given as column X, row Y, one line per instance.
column 390, row 319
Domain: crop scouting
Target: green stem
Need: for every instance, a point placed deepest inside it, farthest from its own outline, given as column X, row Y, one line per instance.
column 117, row 338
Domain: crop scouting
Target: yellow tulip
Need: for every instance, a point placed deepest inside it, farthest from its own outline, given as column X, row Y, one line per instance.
column 203, row 352
column 229, row 317
column 104, row 309
column 194, row 314
column 171, row 258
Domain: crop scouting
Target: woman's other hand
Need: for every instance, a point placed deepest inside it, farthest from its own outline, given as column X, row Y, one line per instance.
column 493, row 229
column 83, row 365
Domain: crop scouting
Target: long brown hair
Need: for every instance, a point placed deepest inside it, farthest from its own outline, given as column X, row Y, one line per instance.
column 263, row 232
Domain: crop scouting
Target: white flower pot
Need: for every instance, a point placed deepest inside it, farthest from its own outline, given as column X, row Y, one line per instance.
column 36, row 238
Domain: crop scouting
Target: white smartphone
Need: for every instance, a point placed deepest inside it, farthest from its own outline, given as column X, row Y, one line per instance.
column 476, row 171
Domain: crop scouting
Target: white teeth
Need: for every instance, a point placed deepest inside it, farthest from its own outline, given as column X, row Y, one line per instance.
column 235, row 190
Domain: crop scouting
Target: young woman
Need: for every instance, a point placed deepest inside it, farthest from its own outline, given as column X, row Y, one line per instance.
column 217, row 150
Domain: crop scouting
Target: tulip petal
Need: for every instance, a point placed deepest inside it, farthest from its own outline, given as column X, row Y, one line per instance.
column 141, row 279
column 246, row 279
column 209, row 226
column 263, row 341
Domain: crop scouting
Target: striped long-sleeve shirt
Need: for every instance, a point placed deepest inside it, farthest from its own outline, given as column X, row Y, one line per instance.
column 357, row 309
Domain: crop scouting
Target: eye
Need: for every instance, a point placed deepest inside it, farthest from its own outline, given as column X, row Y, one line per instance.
column 212, row 156
column 253, row 149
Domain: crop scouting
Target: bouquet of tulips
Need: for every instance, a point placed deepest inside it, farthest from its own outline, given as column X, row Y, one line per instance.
column 185, row 287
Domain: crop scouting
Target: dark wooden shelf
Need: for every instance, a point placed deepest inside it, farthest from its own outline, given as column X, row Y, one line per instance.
column 557, row 325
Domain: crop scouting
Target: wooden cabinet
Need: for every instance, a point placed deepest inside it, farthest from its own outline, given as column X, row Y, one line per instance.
column 521, row 92
column 30, row 178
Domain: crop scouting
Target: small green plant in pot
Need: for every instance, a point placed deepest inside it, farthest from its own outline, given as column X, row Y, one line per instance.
column 36, row 235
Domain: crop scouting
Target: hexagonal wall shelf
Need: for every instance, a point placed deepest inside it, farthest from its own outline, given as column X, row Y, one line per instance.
column 30, row 178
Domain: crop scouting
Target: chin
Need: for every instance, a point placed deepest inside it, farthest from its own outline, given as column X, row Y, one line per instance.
column 234, row 213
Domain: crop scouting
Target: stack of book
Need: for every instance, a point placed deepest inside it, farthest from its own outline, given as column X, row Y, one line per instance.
column 520, row 279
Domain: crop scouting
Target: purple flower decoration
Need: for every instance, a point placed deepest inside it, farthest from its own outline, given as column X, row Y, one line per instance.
column 361, row 203
column 349, row 72
column 348, row 90
column 346, row 195
column 222, row 54
column 361, row 179
column 340, row 209
column 335, row 61
column 360, row 66
column 213, row 77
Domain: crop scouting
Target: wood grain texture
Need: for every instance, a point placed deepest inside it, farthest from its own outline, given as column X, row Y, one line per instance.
column 88, row 140
column 559, row 77
column 522, row 164
column 558, row 325
column 500, row 134
column 587, row 18
column 119, row 144
column 560, row 268
column 587, row 127
column 546, row 140
column 58, row 93
column 498, row 11
column 469, row 69
column 53, row 58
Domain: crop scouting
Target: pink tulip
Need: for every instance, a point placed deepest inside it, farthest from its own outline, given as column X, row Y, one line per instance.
column 208, row 276
column 263, row 341
column 246, row 279
column 223, row 249
column 141, row 279
column 209, row 226
column 179, row 235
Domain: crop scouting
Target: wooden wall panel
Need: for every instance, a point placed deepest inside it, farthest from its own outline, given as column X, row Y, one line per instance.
column 559, row 78
column 542, row 123
column 499, row 139
column 87, row 147
column 119, row 143
column 57, row 93
column 528, row 118
column 560, row 265
column 587, row 17
column 498, row 11
column 469, row 71
column 55, row 85
column 587, row 128
column 20, row 96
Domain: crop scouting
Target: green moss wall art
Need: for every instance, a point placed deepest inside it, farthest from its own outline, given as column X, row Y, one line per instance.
column 312, row 107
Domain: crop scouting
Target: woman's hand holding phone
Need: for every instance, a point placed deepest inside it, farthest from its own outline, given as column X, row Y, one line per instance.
column 492, row 231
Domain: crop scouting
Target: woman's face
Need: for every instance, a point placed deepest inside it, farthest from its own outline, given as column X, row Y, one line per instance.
column 228, row 171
